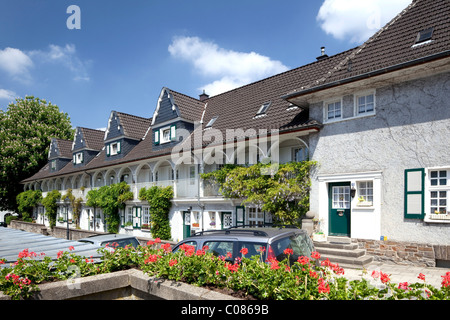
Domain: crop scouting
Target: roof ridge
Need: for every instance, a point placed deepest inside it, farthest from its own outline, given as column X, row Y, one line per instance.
column 358, row 49
column 281, row 73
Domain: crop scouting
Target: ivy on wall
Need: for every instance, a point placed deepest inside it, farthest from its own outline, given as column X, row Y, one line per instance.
column 26, row 201
column 159, row 199
column 110, row 199
column 51, row 206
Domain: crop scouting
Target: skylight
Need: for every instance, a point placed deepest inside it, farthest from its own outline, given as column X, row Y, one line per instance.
column 211, row 122
column 424, row 35
column 263, row 108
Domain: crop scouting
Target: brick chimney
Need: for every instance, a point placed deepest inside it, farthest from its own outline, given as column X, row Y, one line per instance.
column 203, row 96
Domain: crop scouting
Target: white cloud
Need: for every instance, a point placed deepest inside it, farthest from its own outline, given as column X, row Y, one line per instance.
column 16, row 63
column 65, row 56
column 231, row 69
column 356, row 20
column 7, row 95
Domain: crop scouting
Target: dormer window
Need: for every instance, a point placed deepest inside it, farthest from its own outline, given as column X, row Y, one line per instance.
column 53, row 165
column 78, row 158
column 113, row 148
column 165, row 135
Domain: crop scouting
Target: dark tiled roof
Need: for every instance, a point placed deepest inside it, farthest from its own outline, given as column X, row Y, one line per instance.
column 238, row 108
column 190, row 108
column 393, row 45
column 94, row 139
column 64, row 147
column 133, row 126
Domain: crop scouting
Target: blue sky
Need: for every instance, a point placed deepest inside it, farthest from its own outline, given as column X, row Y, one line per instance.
column 125, row 52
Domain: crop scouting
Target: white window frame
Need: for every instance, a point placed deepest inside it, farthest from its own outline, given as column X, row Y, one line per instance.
column 326, row 105
column 364, row 94
column 167, row 134
column 437, row 192
column 365, row 192
column 146, row 215
column 79, row 158
column 114, row 148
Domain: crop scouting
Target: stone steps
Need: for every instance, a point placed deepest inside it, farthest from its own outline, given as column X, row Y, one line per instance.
column 342, row 251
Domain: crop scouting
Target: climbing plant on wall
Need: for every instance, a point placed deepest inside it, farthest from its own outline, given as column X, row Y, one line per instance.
column 111, row 199
column 75, row 203
column 159, row 199
column 26, row 201
column 51, row 206
column 283, row 190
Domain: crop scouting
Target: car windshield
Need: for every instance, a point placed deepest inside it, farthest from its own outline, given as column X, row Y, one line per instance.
column 300, row 244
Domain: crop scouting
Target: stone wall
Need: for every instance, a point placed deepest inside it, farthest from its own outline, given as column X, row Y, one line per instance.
column 405, row 253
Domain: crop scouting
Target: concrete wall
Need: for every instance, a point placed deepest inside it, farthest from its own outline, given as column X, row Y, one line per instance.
column 410, row 129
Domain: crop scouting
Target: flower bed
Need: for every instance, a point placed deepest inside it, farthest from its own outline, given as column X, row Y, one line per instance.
column 250, row 276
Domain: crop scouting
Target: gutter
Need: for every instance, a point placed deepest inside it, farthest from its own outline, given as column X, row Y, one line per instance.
column 370, row 74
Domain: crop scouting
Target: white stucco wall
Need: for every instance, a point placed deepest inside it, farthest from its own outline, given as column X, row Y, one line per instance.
column 410, row 129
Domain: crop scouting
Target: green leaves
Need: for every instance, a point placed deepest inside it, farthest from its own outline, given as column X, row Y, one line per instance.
column 110, row 198
column 26, row 201
column 49, row 202
column 283, row 192
column 159, row 199
column 26, row 129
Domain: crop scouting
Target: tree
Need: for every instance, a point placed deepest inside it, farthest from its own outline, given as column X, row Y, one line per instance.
column 26, row 129
column 284, row 192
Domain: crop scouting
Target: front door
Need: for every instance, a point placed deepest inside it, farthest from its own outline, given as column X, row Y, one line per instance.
column 186, row 224
column 339, row 209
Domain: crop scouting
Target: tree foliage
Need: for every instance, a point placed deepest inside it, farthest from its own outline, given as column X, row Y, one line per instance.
column 26, row 129
column 159, row 199
column 283, row 190
column 110, row 199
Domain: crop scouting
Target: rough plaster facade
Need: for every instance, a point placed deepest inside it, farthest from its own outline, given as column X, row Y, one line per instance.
column 409, row 129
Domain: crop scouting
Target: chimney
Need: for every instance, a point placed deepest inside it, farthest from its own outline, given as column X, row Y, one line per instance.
column 203, row 96
column 322, row 55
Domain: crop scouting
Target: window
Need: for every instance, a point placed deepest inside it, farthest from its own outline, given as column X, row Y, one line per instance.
column 255, row 217
column 211, row 122
column 334, row 110
column 146, row 216
column 129, row 216
column 113, row 148
column 263, row 109
column 299, row 154
column 165, row 135
column 438, row 178
column 221, row 249
column 53, row 165
column 341, row 197
column 78, row 158
column 365, row 104
column 424, row 35
column 439, row 191
column 365, row 191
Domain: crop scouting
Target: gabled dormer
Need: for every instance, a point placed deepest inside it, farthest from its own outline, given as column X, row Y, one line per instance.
column 174, row 118
column 59, row 154
column 87, row 144
column 123, row 133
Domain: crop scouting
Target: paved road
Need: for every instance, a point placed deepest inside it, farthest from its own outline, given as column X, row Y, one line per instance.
column 400, row 273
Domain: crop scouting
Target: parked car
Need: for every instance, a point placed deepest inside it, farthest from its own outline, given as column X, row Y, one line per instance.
column 102, row 240
column 270, row 242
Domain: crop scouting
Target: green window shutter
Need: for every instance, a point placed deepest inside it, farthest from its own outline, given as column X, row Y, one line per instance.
column 82, row 158
column 107, row 150
column 157, row 137
column 414, row 193
column 119, row 149
column 138, row 213
column 173, row 132
column 74, row 158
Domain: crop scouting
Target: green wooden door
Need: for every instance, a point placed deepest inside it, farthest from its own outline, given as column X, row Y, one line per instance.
column 339, row 209
column 186, row 224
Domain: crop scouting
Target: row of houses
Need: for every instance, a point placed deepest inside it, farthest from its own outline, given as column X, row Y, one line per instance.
column 376, row 118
